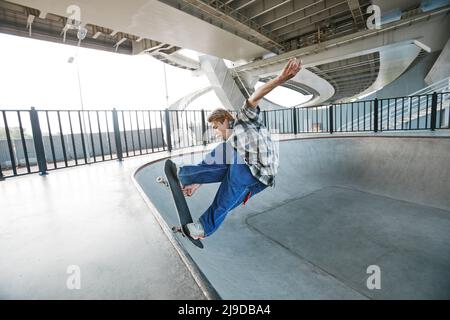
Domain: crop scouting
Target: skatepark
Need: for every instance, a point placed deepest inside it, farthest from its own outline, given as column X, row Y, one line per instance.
column 340, row 204
column 360, row 209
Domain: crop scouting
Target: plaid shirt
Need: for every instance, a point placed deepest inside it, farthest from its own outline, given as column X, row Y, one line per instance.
column 252, row 141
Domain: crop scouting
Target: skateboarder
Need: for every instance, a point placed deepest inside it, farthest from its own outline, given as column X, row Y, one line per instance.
column 245, row 163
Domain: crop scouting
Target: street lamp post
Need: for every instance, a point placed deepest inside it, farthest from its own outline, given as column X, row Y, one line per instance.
column 81, row 34
column 165, row 83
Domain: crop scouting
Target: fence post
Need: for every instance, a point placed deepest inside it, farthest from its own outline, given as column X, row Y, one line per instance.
column 375, row 115
column 38, row 142
column 204, row 128
column 117, row 139
column 294, row 117
column 169, row 137
column 330, row 117
column 433, row 111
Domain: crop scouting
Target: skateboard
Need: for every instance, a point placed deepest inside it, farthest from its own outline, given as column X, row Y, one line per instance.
column 184, row 215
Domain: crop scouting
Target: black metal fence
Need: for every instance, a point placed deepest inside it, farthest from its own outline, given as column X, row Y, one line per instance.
column 421, row 112
column 34, row 141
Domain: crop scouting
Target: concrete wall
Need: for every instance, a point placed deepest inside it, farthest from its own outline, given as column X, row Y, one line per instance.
column 441, row 69
column 222, row 82
column 403, row 168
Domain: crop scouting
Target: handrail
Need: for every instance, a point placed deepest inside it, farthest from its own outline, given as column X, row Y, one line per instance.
column 38, row 141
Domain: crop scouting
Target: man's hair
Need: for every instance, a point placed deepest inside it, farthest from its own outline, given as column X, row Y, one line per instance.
column 220, row 115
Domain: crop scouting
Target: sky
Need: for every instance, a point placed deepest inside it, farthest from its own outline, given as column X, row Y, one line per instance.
column 38, row 73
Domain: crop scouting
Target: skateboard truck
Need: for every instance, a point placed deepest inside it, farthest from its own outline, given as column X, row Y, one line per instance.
column 177, row 229
column 163, row 181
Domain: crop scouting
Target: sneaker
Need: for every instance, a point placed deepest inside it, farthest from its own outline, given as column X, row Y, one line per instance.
column 196, row 230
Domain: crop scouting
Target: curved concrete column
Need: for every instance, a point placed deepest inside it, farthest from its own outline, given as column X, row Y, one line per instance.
column 184, row 102
column 177, row 60
column 323, row 87
column 222, row 82
column 441, row 68
column 393, row 63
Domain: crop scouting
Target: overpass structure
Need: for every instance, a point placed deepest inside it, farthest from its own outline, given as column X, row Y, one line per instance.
column 345, row 54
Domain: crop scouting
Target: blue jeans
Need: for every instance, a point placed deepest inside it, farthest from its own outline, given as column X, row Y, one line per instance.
column 223, row 165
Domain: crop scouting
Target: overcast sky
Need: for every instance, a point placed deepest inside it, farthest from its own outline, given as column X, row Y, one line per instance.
column 37, row 73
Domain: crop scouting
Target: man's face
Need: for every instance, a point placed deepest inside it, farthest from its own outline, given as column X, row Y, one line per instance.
column 221, row 129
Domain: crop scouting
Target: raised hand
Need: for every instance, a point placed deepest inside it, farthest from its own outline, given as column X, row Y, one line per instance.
column 290, row 70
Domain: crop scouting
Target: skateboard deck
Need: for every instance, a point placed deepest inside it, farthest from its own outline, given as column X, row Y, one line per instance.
column 183, row 213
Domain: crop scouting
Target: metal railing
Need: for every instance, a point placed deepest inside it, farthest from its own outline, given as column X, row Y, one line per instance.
column 37, row 141
column 418, row 112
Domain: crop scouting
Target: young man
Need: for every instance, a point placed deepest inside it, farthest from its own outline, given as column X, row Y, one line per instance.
column 245, row 163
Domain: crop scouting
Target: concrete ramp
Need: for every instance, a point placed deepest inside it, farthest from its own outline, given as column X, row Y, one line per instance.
column 339, row 206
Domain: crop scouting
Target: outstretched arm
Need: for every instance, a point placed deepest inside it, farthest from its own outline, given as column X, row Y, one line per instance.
column 289, row 71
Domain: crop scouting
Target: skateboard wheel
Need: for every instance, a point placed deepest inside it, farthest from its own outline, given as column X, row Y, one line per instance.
column 162, row 181
column 176, row 229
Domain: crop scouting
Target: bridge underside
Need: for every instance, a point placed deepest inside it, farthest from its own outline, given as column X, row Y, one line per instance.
column 343, row 56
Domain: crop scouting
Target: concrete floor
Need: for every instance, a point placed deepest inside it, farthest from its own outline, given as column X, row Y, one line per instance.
column 342, row 231
column 339, row 206
column 93, row 217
